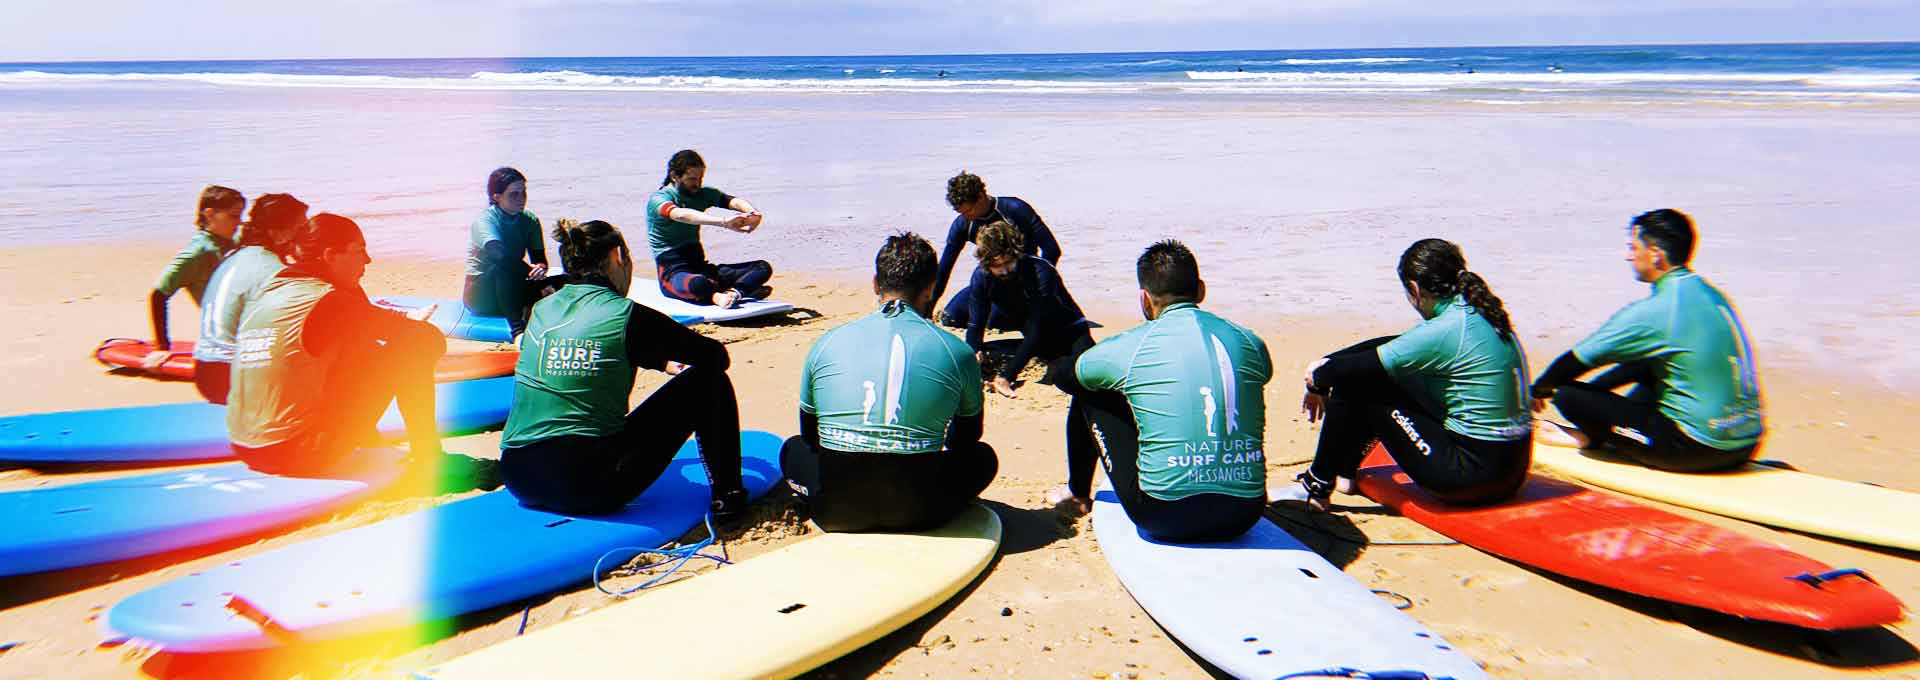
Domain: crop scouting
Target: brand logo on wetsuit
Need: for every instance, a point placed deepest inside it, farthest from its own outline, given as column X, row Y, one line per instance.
column 1406, row 425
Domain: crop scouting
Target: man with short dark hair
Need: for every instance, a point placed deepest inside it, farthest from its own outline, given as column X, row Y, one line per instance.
column 890, row 411
column 1695, row 402
column 1178, row 407
column 967, row 195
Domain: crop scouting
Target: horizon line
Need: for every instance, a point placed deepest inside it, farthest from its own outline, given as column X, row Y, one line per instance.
column 966, row 54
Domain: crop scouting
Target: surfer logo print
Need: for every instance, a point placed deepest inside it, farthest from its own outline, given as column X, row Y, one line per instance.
column 1225, row 453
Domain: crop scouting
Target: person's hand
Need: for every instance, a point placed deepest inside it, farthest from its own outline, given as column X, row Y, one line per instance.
column 674, row 368
column 539, row 271
column 744, row 224
column 1002, row 387
column 753, row 220
column 1314, row 405
column 155, row 358
column 1315, row 366
column 422, row 313
column 1540, row 405
column 726, row 299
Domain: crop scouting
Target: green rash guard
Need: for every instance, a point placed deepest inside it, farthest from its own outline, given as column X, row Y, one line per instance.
column 227, row 292
column 194, row 265
column 1195, row 383
column 274, row 372
column 518, row 234
column 574, row 376
column 894, row 400
column 663, row 232
column 1709, row 387
column 1458, row 361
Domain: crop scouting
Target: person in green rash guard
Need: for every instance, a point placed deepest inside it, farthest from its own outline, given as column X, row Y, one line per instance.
column 264, row 241
column 571, row 445
column 216, row 217
column 1695, row 404
column 316, row 364
column 1446, row 398
column 890, row 439
column 499, row 281
column 675, row 214
column 1178, row 409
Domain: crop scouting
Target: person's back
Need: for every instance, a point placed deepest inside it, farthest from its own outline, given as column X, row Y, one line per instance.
column 243, row 271
column 276, row 375
column 899, row 400
column 1461, row 366
column 890, row 411
column 1196, row 385
column 574, row 375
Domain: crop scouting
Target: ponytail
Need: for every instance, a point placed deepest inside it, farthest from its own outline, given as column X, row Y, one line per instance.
column 1441, row 270
column 584, row 245
column 682, row 161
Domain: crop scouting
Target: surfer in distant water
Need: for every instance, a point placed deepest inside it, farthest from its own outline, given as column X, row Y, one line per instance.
column 215, row 217
column 317, row 364
column 570, row 444
column 675, row 214
column 1446, row 398
column 506, row 257
column 1694, row 403
column 943, row 74
column 890, row 411
column 975, row 208
column 1179, row 407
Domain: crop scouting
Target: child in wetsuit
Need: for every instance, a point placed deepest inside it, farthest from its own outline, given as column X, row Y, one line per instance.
column 215, row 217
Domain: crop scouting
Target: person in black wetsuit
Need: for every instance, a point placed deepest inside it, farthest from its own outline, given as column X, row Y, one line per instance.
column 967, row 194
column 506, row 258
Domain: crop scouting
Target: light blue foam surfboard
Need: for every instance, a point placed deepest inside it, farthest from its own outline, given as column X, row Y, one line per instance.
column 1266, row 606
column 457, row 558
column 648, row 293
column 117, row 519
column 453, row 318
column 198, row 431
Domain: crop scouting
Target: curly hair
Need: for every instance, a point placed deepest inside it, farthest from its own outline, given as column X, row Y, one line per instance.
column 999, row 240
column 965, row 188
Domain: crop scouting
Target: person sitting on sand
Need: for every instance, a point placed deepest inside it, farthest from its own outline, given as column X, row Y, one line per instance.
column 1446, row 398
column 1695, row 399
column 570, row 444
column 317, row 364
column 215, row 218
column 263, row 244
column 890, row 440
column 967, row 194
column 506, row 258
column 675, row 214
column 1179, row 409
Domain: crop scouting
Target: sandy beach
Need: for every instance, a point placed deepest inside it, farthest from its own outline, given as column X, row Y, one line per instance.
column 1296, row 212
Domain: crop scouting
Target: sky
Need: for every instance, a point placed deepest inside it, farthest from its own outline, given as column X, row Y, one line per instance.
column 75, row 30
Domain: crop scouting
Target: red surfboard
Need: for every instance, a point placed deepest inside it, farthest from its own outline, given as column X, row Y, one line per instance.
column 1608, row 540
column 128, row 353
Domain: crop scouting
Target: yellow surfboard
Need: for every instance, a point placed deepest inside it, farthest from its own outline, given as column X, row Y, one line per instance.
column 774, row 616
column 1759, row 493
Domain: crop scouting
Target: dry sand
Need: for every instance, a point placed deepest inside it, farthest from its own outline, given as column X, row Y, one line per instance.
column 1049, row 606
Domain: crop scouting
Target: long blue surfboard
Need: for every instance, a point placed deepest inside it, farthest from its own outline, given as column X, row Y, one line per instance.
column 453, row 318
column 117, row 519
column 457, row 558
column 198, row 431
column 1266, row 606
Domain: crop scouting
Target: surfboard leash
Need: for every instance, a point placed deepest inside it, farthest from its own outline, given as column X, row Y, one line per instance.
column 675, row 558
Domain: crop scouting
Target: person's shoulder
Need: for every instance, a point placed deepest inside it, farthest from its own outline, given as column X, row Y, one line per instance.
column 665, row 194
column 1015, row 202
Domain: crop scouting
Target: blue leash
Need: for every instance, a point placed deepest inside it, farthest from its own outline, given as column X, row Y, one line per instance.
column 677, row 557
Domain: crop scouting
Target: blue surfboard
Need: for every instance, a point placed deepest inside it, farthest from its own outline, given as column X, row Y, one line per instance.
column 457, row 558
column 453, row 318
column 117, row 519
column 198, row 431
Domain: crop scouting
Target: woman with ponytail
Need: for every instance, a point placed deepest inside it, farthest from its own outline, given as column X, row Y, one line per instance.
column 675, row 214
column 1447, row 398
column 571, row 445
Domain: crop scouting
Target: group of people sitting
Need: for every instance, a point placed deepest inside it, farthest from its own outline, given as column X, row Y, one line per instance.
column 891, row 406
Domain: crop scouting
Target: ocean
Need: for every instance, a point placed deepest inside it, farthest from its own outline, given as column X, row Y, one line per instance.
column 1836, row 73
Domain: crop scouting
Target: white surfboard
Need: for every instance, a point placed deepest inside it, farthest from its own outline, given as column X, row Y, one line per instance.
column 648, row 293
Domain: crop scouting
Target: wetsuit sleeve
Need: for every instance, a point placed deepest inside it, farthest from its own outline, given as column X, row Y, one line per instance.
column 345, row 317
column 1628, row 336
column 965, row 430
column 1563, row 371
column 1038, row 235
column 716, row 197
column 536, row 244
column 956, row 241
column 979, row 305
column 1348, row 366
column 1043, row 313
column 654, row 338
column 810, row 429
